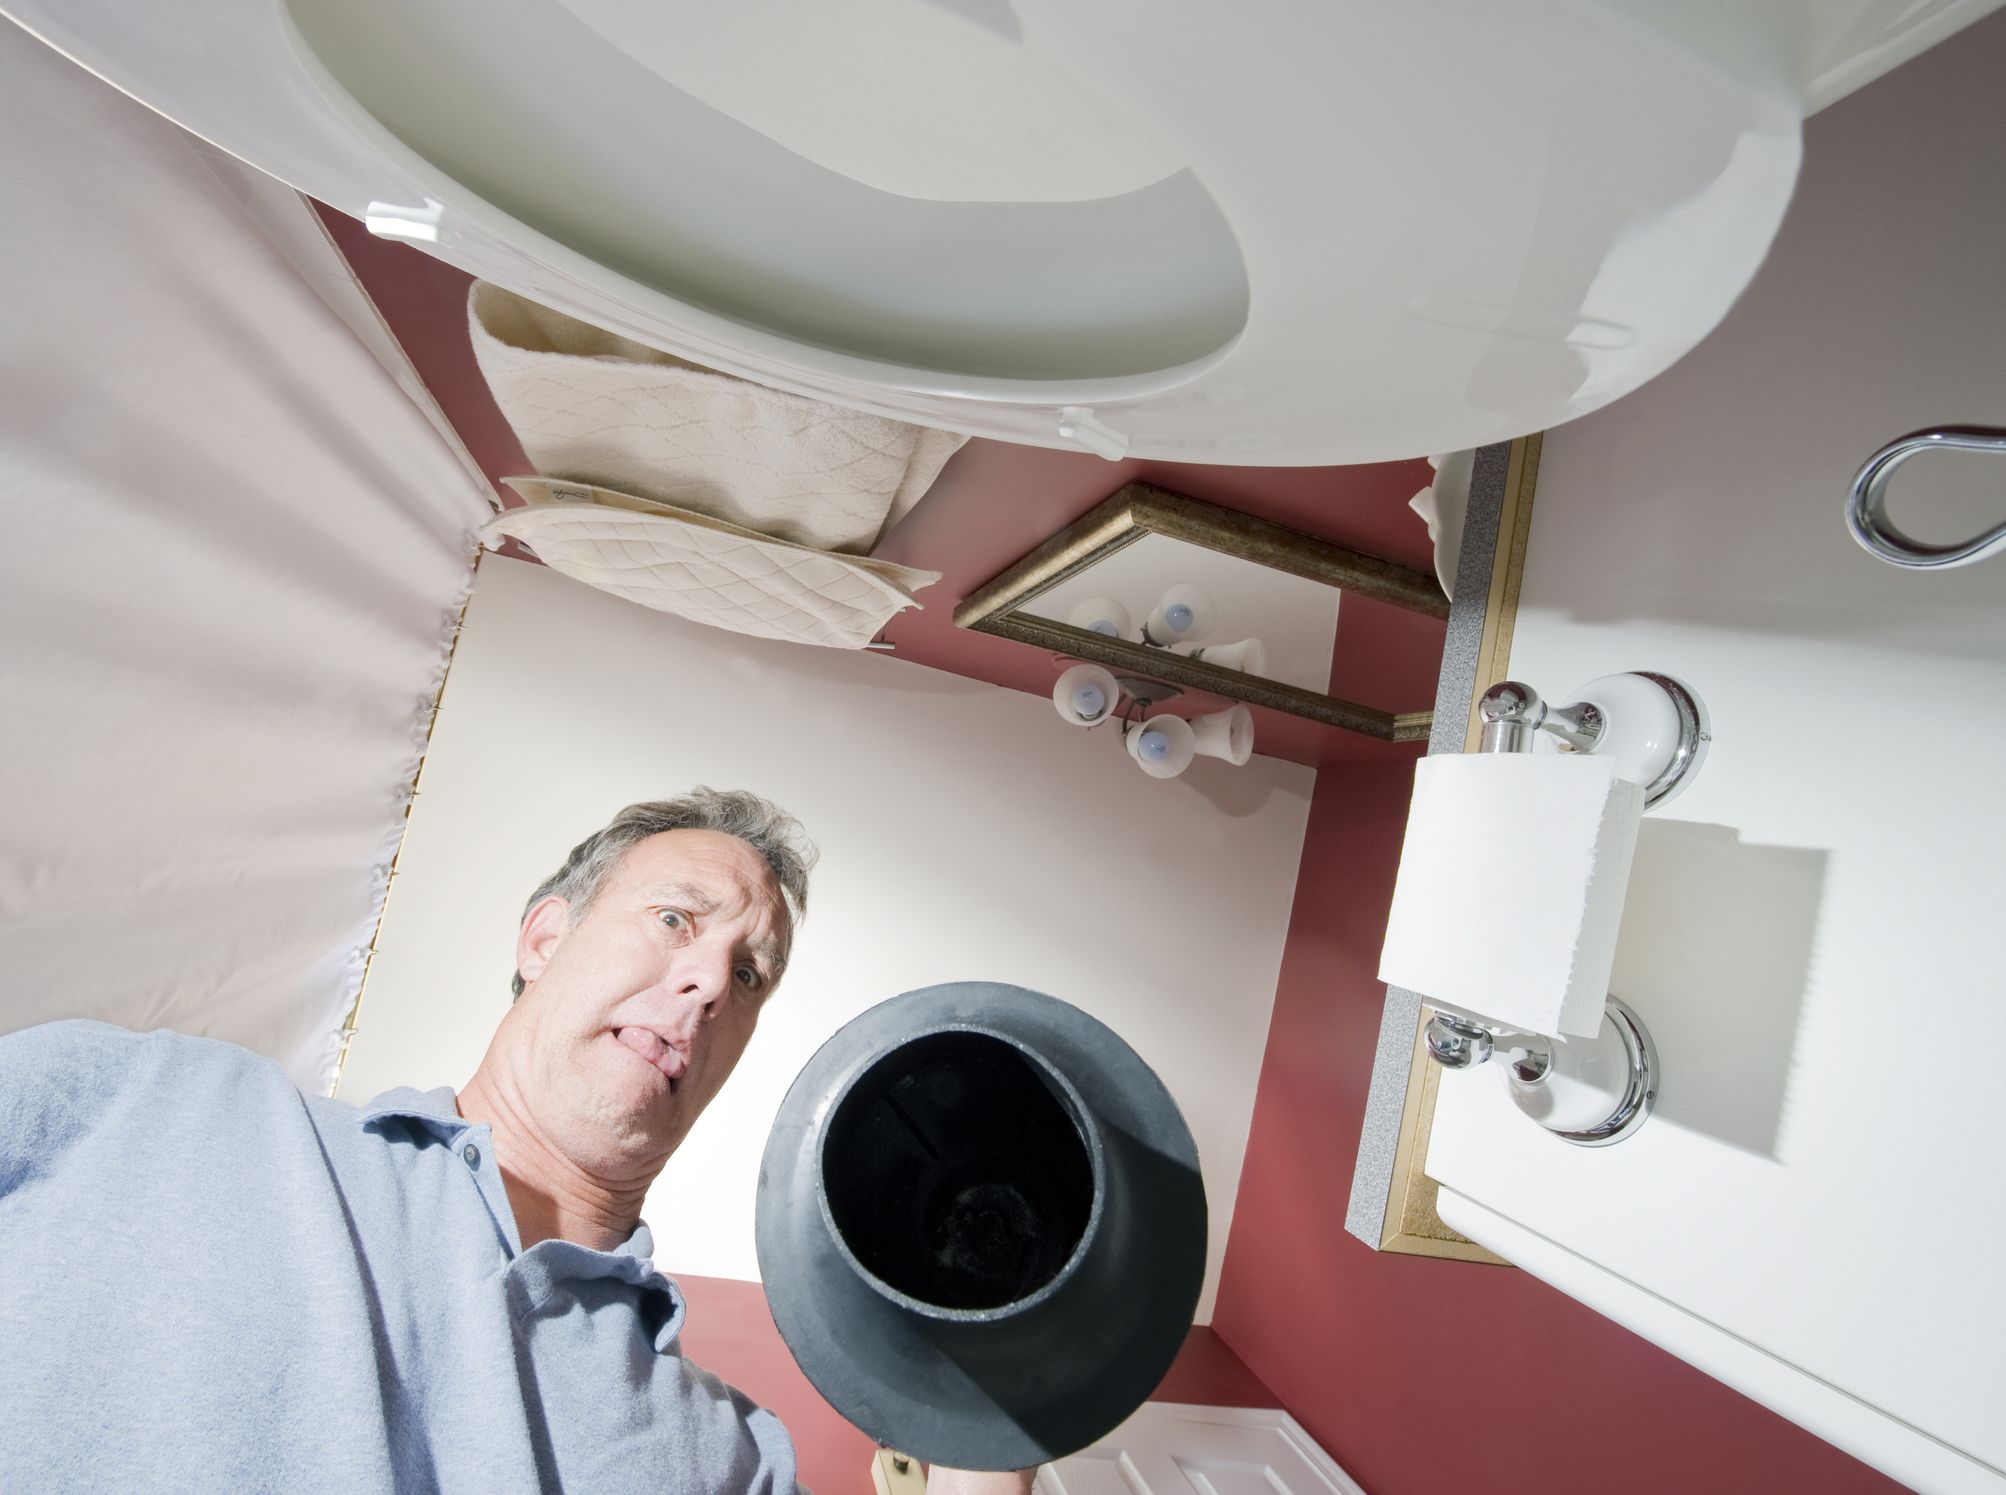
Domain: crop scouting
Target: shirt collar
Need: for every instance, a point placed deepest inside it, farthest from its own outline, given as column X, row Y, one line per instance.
column 437, row 1111
column 548, row 1263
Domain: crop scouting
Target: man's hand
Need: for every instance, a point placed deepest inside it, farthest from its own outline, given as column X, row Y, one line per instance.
column 941, row 1480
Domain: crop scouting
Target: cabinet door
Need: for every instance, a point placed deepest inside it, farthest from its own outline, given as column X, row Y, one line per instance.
column 1170, row 1449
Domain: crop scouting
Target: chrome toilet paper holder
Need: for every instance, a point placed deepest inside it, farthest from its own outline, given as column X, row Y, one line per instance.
column 1653, row 727
column 1588, row 1091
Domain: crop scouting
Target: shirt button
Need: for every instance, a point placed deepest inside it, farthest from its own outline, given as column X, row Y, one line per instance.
column 472, row 1154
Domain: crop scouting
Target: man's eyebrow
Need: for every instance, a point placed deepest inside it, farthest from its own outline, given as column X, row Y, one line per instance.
column 683, row 895
column 770, row 953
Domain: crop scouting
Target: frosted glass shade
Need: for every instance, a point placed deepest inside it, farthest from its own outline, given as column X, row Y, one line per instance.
column 1227, row 734
column 1102, row 615
column 1249, row 656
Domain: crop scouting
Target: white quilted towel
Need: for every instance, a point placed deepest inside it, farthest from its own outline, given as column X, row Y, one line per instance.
column 597, row 408
column 705, row 570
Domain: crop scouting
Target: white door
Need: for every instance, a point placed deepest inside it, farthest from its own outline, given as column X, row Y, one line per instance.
column 1168, row 1448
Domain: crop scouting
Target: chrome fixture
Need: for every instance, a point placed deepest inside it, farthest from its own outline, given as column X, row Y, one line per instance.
column 1654, row 728
column 1599, row 1090
column 1866, row 505
column 1588, row 1091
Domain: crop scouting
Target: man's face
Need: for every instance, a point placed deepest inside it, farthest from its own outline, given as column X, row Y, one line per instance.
column 634, row 1013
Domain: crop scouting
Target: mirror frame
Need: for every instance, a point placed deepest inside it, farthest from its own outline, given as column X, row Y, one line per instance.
column 1138, row 510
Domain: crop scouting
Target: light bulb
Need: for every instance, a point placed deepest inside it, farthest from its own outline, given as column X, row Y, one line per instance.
column 1085, row 694
column 1163, row 746
column 1184, row 615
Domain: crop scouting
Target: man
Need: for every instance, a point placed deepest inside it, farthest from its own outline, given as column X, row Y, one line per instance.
column 211, row 1282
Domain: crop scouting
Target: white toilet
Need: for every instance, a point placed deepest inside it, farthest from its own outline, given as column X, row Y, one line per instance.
column 1276, row 232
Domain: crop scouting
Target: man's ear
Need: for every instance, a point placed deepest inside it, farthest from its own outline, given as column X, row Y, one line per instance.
column 543, row 930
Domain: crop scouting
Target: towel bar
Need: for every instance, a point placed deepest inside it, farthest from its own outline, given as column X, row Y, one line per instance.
column 1866, row 506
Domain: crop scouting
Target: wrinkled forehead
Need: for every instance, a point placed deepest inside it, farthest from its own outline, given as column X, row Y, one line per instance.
column 711, row 873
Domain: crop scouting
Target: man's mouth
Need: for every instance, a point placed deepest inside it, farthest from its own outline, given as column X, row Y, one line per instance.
column 650, row 1046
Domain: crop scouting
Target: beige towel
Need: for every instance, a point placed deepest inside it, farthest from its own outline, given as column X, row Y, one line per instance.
column 594, row 407
column 706, row 570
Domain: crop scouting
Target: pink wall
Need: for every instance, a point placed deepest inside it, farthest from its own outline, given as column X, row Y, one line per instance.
column 731, row 1334
column 1425, row 1377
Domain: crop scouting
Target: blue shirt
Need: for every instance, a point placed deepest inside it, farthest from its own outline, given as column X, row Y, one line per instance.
column 209, row 1281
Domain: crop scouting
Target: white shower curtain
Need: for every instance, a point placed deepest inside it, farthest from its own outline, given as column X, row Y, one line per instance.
column 231, row 555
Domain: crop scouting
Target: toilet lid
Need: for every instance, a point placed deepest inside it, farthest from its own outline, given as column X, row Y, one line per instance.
column 1265, row 233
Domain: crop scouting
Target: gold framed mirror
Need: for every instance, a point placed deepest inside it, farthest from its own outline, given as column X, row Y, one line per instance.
column 1273, row 578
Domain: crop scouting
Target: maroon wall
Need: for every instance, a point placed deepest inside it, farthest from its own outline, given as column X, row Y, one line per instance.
column 424, row 303
column 1426, row 1377
column 730, row 1333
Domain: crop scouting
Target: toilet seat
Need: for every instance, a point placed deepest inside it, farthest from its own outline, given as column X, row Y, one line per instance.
column 1378, row 231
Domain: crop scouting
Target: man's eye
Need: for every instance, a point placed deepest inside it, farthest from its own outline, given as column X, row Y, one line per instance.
column 748, row 977
column 674, row 918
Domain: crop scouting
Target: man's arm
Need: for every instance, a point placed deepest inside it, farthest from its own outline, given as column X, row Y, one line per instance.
column 55, row 1082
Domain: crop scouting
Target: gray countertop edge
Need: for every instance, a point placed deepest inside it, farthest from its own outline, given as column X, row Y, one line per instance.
column 1379, row 1136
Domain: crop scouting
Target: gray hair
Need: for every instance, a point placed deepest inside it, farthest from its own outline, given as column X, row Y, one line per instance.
column 768, row 830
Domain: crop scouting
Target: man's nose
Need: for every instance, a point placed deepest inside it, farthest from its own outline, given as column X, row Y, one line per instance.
column 701, row 978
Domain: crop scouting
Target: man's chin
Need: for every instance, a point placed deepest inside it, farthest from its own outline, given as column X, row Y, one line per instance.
column 615, row 1143
column 629, row 1115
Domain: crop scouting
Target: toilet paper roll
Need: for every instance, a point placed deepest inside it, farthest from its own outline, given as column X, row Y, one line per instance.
column 1511, row 887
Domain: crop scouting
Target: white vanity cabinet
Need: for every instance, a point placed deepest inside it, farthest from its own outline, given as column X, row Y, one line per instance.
column 1815, row 1212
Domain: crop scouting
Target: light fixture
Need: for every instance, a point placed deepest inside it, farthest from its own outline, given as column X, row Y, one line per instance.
column 1162, row 746
column 1186, row 614
column 1183, row 618
column 1518, row 965
column 1103, row 615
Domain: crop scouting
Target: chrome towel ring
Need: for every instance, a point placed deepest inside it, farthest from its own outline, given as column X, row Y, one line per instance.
column 1866, row 506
